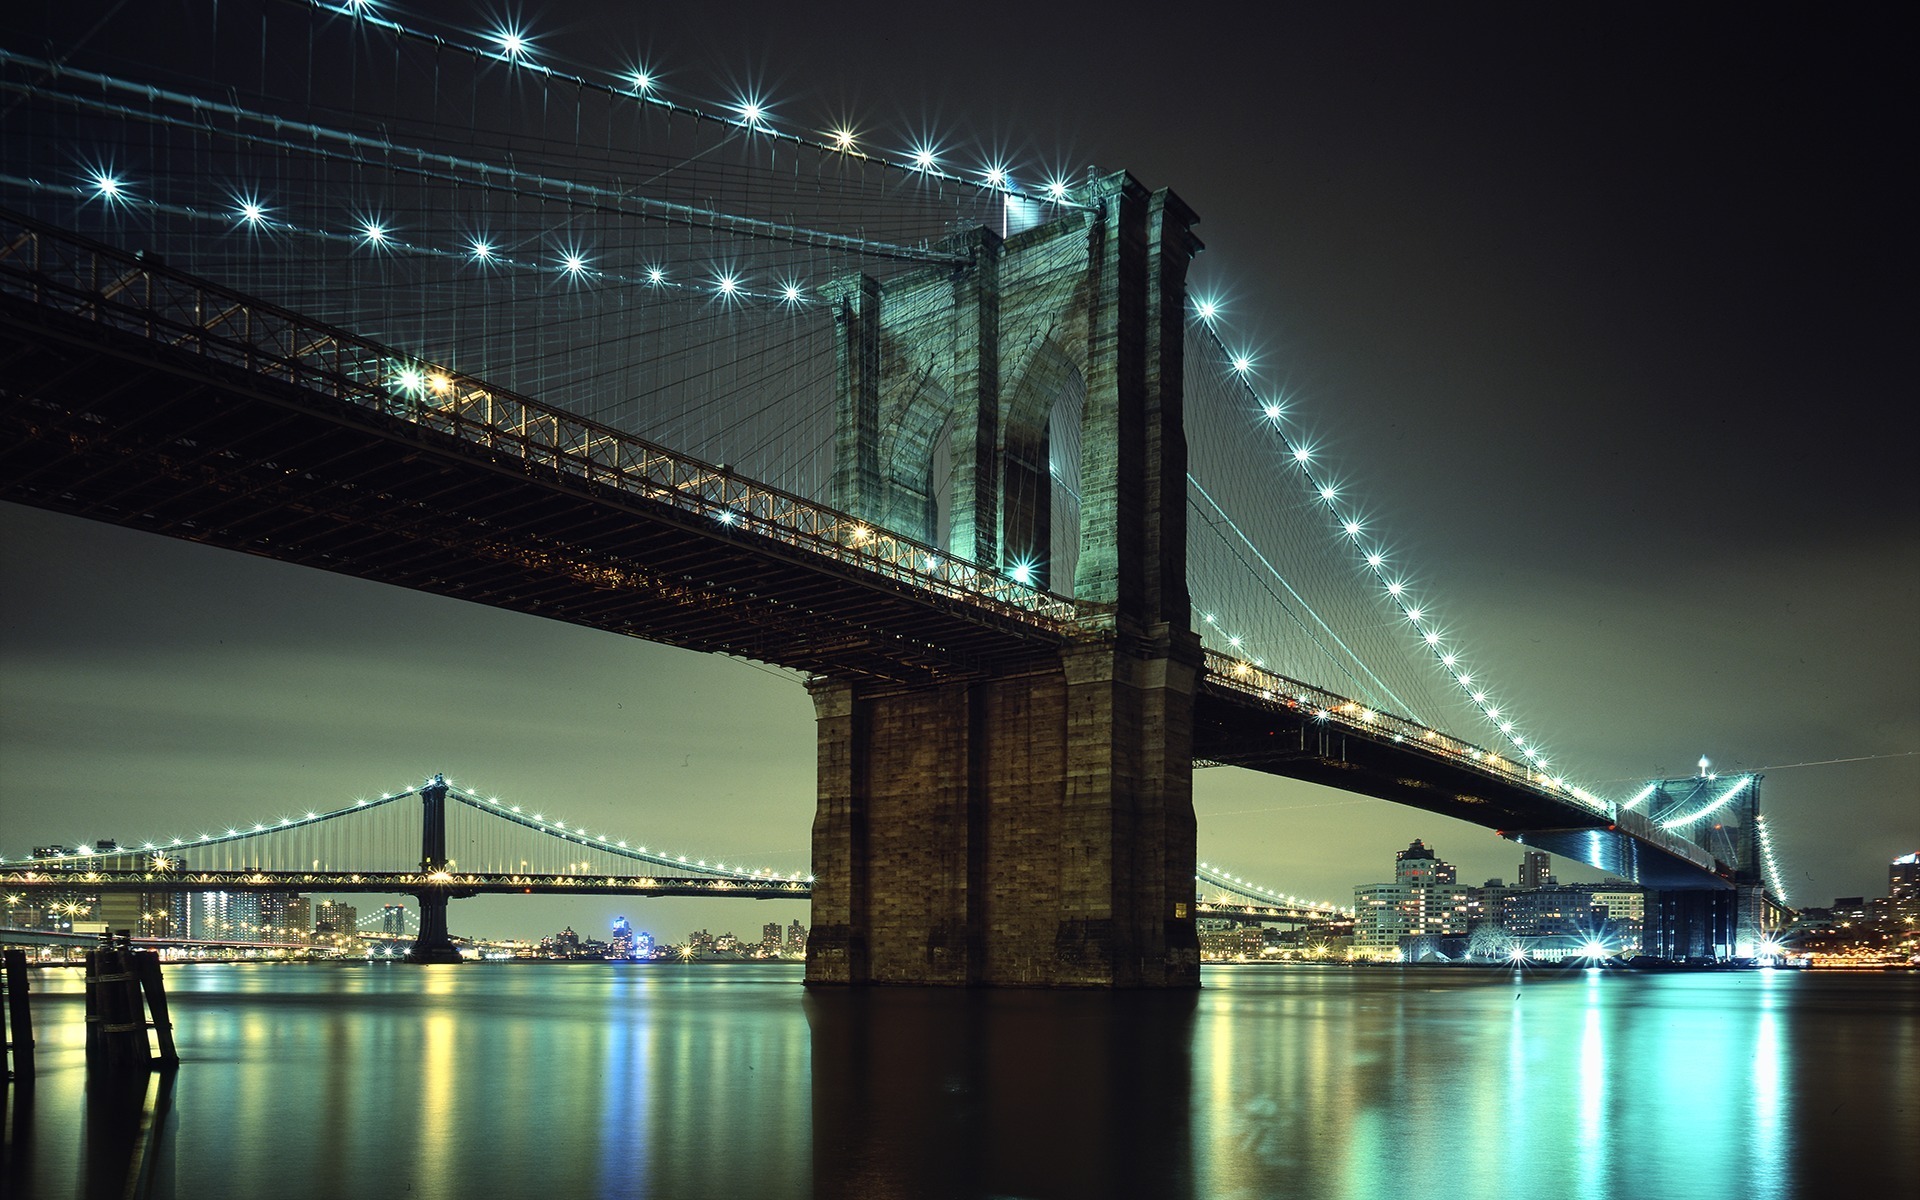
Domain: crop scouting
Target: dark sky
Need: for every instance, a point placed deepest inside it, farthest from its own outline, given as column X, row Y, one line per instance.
column 1605, row 309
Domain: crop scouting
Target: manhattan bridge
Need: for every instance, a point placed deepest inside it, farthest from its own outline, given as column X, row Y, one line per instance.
column 416, row 305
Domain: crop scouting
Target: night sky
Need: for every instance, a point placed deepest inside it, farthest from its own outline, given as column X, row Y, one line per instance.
column 1605, row 310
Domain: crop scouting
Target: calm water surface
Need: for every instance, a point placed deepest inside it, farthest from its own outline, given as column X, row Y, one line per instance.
column 728, row 1080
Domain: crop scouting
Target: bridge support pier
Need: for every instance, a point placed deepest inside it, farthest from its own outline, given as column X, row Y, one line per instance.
column 434, row 944
column 1714, row 926
column 1034, row 830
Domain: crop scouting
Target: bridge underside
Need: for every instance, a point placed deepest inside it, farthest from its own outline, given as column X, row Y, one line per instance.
column 111, row 425
column 1234, row 729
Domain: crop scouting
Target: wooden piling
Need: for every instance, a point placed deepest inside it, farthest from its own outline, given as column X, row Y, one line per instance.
column 19, row 1016
column 96, row 1049
column 146, row 964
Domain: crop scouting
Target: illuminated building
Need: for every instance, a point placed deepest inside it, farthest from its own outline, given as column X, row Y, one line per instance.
column 1425, row 900
column 797, row 940
column 336, row 925
column 1553, row 911
column 1536, row 869
column 770, row 939
column 624, row 944
column 1626, row 909
column 1380, row 919
column 226, row 917
column 284, row 917
column 1903, row 884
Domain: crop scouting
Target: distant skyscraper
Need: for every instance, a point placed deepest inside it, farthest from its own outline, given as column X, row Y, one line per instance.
column 1536, row 869
column 335, row 924
column 228, row 917
column 770, row 938
column 623, row 939
column 1903, row 877
column 796, row 940
column 283, row 917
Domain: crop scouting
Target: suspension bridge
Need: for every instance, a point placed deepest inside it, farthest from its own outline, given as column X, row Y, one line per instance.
column 414, row 305
column 438, row 842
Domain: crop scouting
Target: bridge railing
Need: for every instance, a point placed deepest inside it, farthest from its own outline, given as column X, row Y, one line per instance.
column 63, row 271
column 1334, row 709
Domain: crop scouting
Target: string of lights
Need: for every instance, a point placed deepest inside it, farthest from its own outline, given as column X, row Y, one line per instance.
column 512, row 43
column 1352, row 529
column 1220, row 877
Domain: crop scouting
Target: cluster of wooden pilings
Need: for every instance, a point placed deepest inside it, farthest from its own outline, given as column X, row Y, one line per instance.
column 124, row 985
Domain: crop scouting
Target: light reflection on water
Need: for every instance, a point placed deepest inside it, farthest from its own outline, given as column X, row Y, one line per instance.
column 730, row 1079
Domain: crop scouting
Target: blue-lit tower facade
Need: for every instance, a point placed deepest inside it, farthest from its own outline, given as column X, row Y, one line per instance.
column 1722, row 814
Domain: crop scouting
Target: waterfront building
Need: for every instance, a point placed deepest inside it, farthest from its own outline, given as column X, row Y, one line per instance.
column 1626, row 908
column 1380, row 919
column 796, row 940
column 770, row 939
column 1555, row 911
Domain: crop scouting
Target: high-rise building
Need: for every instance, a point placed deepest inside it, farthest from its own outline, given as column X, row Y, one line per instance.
column 1903, row 877
column 1536, row 869
column 336, row 925
column 164, row 914
column 796, row 940
column 1418, row 866
column 623, row 943
column 1424, row 899
column 284, row 917
column 770, row 938
column 1380, row 918
column 227, row 917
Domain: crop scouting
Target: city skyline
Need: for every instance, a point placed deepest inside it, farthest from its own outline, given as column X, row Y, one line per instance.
column 1604, row 328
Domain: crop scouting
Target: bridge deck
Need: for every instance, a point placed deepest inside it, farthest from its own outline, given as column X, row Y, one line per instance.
column 1271, row 736
column 118, row 426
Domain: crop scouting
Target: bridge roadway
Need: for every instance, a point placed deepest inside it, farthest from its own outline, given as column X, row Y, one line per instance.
column 452, row 885
column 137, row 395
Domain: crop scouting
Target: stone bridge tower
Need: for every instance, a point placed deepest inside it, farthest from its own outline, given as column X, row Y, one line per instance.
column 1033, row 829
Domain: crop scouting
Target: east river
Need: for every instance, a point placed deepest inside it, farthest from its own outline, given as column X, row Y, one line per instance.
column 731, row 1080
